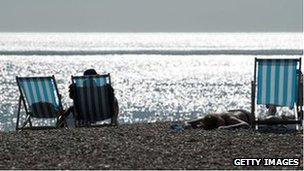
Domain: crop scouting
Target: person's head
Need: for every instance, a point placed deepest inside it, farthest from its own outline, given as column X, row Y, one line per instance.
column 90, row 72
column 272, row 110
column 210, row 122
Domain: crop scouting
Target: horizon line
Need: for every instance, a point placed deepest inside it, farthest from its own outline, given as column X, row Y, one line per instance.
column 267, row 52
column 151, row 32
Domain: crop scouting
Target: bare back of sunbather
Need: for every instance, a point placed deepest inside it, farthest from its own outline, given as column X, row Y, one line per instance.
column 228, row 120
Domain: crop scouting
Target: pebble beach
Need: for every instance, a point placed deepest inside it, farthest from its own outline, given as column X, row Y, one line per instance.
column 144, row 146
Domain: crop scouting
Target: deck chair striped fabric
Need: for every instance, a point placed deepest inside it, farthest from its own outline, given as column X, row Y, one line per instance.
column 276, row 81
column 91, row 102
column 40, row 97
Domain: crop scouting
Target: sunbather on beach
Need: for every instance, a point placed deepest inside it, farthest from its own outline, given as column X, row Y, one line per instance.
column 233, row 119
column 229, row 120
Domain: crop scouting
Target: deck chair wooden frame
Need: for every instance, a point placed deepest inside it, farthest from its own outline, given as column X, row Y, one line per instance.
column 77, row 103
column 298, row 107
column 23, row 100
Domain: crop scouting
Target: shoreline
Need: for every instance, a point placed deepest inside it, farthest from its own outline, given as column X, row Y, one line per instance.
column 144, row 146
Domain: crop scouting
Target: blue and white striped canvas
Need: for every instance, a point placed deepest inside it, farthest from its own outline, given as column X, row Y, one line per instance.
column 41, row 98
column 277, row 82
column 92, row 98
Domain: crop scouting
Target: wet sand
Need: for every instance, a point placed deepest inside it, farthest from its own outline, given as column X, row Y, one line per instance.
column 144, row 146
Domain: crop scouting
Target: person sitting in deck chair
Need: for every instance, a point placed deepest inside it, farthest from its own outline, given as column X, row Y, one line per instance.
column 113, row 100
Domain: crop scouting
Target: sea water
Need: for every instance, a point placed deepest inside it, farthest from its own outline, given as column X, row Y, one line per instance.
column 156, row 76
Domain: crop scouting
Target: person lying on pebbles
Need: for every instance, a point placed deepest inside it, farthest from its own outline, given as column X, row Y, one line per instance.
column 232, row 119
column 229, row 120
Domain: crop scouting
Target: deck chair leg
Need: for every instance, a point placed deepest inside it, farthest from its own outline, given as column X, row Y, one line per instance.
column 253, row 123
column 60, row 119
column 26, row 121
column 30, row 122
column 112, row 120
column 296, row 114
column 18, row 113
column 300, row 117
column 61, row 122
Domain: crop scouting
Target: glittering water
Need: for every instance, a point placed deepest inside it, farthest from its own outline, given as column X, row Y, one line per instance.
column 149, row 87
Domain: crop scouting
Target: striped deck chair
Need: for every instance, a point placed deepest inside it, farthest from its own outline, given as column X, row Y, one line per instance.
column 41, row 100
column 277, row 82
column 91, row 101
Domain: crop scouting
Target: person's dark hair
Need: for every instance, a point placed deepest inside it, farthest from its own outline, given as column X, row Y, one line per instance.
column 90, row 72
column 210, row 122
column 272, row 110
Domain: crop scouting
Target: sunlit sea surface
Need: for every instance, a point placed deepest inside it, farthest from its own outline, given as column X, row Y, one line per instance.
column 156, row 76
